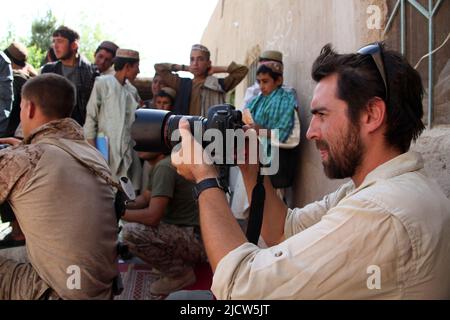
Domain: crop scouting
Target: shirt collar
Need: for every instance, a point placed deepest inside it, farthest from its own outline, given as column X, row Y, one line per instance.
column 66, row 128
column 406, row 162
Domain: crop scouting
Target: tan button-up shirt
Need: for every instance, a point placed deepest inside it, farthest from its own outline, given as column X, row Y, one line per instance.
column 387, row 239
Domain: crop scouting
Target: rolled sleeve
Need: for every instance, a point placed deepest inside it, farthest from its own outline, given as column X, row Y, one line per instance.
column 228, row 269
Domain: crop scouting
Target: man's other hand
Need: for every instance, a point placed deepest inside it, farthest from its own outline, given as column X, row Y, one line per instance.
column 10, row 141
column 191, row 161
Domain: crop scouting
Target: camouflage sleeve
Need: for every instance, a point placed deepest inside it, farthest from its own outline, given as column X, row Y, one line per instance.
column 14, row 165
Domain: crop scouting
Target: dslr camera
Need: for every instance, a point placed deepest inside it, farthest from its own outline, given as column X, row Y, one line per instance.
column 153, row 130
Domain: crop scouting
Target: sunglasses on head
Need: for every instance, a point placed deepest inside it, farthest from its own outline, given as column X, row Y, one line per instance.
column 375, row 50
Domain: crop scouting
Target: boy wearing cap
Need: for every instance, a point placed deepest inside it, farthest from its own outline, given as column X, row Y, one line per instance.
column 165, row 99
column 196, row 95
column 110, row 111
column 104, row 56
column 74, row 67
column 254, row 90
column 286, row 109
column 22, row 71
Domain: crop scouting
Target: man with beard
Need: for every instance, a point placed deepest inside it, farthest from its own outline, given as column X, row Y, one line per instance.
column 74, row 67
column 383, row 235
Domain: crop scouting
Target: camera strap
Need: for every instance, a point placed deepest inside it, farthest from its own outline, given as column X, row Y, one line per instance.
column 256, row 210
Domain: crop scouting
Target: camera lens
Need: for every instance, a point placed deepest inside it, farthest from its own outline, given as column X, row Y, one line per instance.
column 148, row 130
column 152, row 129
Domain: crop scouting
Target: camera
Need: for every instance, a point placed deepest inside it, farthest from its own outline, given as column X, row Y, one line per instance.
column 153, row 129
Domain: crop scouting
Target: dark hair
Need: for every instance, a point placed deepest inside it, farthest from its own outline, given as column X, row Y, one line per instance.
column 119, row 63
column 359, row 81
column 106, row 49
column 265, row 69
column 52, row 93
column 162, row 93
column 67, row 33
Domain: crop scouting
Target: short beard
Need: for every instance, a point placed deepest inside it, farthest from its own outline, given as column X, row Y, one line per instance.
column 68, row 55
column 346, row 158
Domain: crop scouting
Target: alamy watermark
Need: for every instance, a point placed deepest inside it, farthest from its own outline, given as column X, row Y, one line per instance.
column 374, row 280
column 374, row 19
column 74, row 280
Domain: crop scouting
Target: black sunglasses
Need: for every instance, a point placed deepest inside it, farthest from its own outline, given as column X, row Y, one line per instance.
column 375, row 50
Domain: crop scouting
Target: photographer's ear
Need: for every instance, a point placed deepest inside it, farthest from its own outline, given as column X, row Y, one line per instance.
column 375, row 115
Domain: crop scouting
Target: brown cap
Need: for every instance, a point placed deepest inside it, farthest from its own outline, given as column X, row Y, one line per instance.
column 272, row 55
column 18, row 53
column 171, row 92
column 127, row 54
column 108, row 45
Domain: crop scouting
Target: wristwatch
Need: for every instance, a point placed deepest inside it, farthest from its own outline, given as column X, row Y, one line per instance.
column 206, row 184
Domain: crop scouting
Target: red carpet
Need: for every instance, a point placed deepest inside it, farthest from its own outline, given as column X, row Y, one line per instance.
column 204, row 276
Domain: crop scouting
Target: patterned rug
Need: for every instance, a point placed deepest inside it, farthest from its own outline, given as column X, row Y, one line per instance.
column 136, row 282
column 137, row 279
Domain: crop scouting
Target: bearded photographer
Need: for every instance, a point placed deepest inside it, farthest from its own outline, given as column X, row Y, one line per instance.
column 391, row 218
column 65, row 211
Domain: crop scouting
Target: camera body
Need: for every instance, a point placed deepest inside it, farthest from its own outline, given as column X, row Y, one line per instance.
column 153, row 130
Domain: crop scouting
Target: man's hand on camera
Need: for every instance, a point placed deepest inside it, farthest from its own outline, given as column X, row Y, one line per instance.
column 10, row 141
column 190, row 161
column 249, row 171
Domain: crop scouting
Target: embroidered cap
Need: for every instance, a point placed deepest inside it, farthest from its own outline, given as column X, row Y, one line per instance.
column 127, row 54
column 200, row 47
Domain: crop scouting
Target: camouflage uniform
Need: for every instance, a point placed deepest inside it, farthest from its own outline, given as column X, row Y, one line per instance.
column 168, row 248
column 65, row 212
